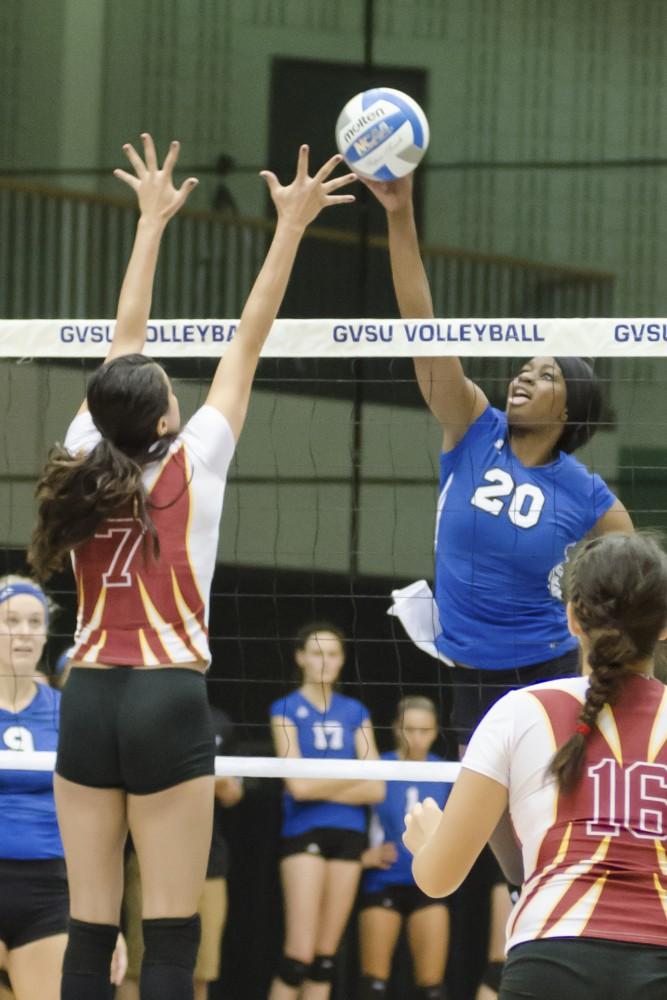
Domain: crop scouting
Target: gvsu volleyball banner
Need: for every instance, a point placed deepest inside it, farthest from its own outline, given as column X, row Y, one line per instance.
column 349, row 338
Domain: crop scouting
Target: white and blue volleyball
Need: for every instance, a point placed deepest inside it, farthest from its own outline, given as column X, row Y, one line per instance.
column 382, row 133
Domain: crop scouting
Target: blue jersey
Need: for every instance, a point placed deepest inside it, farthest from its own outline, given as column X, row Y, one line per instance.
column 322, row 734
column 388, row 824
column 28, row 824
column 502, row 535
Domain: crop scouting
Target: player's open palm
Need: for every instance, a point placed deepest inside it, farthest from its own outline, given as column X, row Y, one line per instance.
column 392, row 195
column 154, row 187
column 301, row 201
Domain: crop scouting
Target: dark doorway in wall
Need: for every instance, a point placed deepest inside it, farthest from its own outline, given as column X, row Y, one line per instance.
column 333, row 279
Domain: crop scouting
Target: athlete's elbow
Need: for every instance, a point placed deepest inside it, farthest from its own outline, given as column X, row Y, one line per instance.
column 434, row 882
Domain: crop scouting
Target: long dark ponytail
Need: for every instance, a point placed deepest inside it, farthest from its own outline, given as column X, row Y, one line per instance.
column 76, row 493
column 617, row 586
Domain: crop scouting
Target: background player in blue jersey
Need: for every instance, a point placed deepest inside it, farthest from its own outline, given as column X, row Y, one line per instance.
column 34, row 900
column 324, row 821
column 389, row 894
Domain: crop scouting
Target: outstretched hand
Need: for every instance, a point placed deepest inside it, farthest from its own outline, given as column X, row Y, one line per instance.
column 302, row 201
column 392, row 195
column 157, row 196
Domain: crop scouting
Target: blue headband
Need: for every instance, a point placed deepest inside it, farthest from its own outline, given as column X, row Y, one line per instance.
column 12, row 589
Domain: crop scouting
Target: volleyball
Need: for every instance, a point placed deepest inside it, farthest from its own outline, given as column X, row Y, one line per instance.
column 382, row 133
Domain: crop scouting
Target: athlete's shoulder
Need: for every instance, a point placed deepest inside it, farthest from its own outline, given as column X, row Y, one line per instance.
column 576, row 686
column 578, row 476
column 208, row 437
column 489, row 427
column 286, row 704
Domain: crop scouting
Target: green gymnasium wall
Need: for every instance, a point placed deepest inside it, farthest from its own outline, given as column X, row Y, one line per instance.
column 509, row 81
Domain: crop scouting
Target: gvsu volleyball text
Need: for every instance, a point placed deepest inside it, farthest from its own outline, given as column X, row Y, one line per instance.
column 372, row 333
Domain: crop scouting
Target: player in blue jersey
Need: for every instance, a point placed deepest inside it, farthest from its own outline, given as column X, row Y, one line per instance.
column 34, row 901
column 513, row 500
column 324, row 821
column 389, row 895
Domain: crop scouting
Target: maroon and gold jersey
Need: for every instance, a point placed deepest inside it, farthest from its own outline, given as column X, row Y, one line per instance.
column 595, row 859
column 135, row 609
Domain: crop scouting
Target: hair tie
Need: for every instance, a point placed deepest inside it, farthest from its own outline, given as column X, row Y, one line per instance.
column 583, row 728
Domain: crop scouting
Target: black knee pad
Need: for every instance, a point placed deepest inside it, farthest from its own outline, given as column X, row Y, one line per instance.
column 322, row 969
column 89, row 948
column 172, row 941
column 492, row 975
column 429, row 992
column 291, row 971
column 371, row 988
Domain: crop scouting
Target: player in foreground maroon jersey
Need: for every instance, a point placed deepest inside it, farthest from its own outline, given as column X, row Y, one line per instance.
column 582, row 764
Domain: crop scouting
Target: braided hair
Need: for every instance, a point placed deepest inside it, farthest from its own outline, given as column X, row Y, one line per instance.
column 617, row 587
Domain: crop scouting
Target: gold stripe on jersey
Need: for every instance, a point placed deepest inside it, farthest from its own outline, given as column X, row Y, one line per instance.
column 174, row 648
column 149, row 657
column 537, row 881
column 563, row 882
column 573, row 923
column 662, row 892
column 94, row 651
column 659, row 731
column 662, row 865
column 192, row 626
column 554, row 796
column 191, row 508
column 606, row 723
column 83, row 638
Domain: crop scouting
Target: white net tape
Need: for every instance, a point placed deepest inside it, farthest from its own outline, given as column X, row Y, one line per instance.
column 336, row 338
column 279, row 767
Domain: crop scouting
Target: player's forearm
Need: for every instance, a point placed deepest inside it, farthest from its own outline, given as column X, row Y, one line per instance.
column 411, row 286
column 269, row 288
column 362, row 793
column 136, row 294
column 432, row 873
column 343, row 791
column 230, row 389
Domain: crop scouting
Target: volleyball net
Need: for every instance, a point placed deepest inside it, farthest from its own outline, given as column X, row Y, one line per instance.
column 331, row 498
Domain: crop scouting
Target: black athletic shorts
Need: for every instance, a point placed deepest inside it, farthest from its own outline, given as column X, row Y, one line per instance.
column 475, row 691
column 34, row 901
column 584, row 969
column 404, row 899
column 326, row 842
column 141, row 730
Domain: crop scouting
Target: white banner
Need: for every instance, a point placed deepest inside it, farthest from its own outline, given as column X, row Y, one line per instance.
column 349, row 338
column 279, row 767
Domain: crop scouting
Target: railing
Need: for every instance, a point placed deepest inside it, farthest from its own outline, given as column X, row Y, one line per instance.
column 63, row 254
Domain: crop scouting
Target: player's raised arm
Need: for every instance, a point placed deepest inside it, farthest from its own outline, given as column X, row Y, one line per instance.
column 158, row 202
column 453, row 399
column 297, row 204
